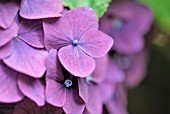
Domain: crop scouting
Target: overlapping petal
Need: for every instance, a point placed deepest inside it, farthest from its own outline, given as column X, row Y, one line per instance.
column 9, row 88
column 27, row 60
column 76, row 61
column 8, row 11
column 83, row 89
column 32, row 88
column 8, row 34
column 31, row 32
column 95, row 43
column 6, row 50
column 36, row 9
column 74, row 104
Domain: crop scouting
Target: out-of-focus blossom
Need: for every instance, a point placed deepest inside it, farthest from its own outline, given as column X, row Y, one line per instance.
column 21, row 47
column 62, row 87
column 26, row 106
column 127, row 22
column 134, row 66
column 37, row 9
column 8, row 11
column 76, row 37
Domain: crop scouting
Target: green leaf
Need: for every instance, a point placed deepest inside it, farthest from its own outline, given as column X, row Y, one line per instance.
column 161, row 10
column 99, row 6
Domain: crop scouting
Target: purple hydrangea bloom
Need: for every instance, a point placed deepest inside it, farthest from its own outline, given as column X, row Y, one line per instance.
column 27, row 106
column 76, row 37
column 8, row 11
column 37, row 9
column 127, row 22
column 62, row 87
column 16, row 85
column 21, row 47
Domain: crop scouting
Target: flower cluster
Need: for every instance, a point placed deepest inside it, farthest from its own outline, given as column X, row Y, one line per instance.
column 59, row 59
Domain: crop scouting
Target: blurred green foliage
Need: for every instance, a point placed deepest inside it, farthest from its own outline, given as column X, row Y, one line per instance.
column 161, row 10
column 99, row 6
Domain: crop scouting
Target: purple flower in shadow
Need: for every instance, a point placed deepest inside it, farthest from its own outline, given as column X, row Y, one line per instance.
column 38, row 9
column 62, row 87
column 14, row 86
column 8, row 11
column 26, row 106
column 127, row 22
column 76, row 37
column 21, row 47
column 89, row 87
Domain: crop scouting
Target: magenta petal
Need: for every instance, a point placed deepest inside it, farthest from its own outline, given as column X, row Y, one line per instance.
column 8, row 34
column 71, row 25
column 95, row 43
column 83, row 89
column 36, row 9
column 55, row 93
column 32, row 88
column 94, row 104
column 9, row 88
column 76, row 61
column 99, row 72
column 6, row 50
column 74, row 104
column 8, row 11
column 31, row 31
column 27, row 60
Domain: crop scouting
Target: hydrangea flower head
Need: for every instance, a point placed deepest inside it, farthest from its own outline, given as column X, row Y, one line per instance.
column 78, row 40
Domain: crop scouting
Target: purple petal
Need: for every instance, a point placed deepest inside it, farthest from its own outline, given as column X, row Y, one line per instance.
column 32, row 88
column 76, row 61
column 53, row 67
column 8, row 11
column 74, row 104
column 36, row 9
column 137, row 69
column 72, row 25
column 9, row 88
column 31, row 31
column 94, row 104
column 83, row 89
column 27, row 60
column 6, row 50
column 95, row 43
column 55, row 93
column 99, row 72
column 8, row 34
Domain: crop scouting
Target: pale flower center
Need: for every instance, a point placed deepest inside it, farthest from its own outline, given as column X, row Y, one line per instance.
column 75, row 42
column 117, row 23
column 88, row 79
column 68, row 83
